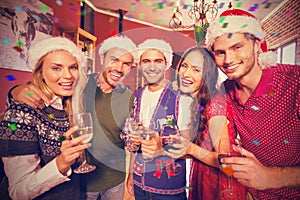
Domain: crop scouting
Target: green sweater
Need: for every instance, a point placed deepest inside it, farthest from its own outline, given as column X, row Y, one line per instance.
column 109, row 112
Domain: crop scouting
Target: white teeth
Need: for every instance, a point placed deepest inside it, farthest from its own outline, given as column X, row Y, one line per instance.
column 233, row 66
column 117, row 75
column 66, row 84
column 186, row 81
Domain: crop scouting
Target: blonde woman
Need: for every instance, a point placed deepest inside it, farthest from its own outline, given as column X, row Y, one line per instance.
column 35, row 144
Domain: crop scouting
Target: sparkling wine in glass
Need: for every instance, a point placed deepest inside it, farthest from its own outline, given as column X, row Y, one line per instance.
column 85, row 127
column 147, row 134
column 170, row 135
column 225, row 149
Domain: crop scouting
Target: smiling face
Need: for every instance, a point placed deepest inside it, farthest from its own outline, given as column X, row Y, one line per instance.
column 153, row 66
column 236, row 56
column 60, row 73
column 190, row 72
column 116, row 63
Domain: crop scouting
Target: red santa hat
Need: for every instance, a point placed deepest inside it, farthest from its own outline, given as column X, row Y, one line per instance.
column 240, row 21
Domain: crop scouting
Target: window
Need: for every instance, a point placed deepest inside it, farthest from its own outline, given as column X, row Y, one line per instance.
column 286, row 54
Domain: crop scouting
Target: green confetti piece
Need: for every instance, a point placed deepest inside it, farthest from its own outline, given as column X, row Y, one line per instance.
column 160, row 5
column 245, row 25
column 225, row 25
column 29, row 94
column 285, row 141
column 12, row 127
column 188, row 188
column 19, row 44
column 222, row 19
column 239, row 4
column 62, row 138
column 165, row 107
column 44, row 7
column 132, row 8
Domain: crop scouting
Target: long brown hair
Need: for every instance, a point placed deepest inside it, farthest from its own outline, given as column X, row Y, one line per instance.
column 206, row 91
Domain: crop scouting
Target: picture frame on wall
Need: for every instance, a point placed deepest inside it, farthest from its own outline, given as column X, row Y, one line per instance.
column 23, row 23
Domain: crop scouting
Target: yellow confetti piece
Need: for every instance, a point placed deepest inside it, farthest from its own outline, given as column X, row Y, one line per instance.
column 271, row 94
column 111, row 20
column 51, row 116
column 141, row 16
column 239, row 58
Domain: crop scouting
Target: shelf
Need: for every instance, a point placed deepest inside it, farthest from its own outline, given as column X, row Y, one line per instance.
column 85, row 41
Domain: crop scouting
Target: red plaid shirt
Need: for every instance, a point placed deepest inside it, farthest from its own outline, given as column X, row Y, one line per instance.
column 269, row 122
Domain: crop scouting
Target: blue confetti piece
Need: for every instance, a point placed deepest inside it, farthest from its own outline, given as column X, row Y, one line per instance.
column 6, row 41
column 221, row 5
column 255, row 107
column 13, row 120
column 229, row 35
column 255, row 142
column 10, row 77
column 18, row 8
column 285, row 141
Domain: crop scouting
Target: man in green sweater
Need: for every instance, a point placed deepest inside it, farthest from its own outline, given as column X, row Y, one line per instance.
column 109, row 102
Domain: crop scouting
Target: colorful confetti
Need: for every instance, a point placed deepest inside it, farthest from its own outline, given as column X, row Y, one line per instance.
column 201, row 108
column 18, row 49
column 239, row 58
column 188, row 188
column 111, row 20
column 29, row 94
column 229, row 35
column 285, row 141
column 12, row 127
column 160, row 5
column 6, row 41
column 165, row 107
column 62, row 138
column 13, row 120
column 252, row 9
column 221, row 20
column 141, row 16
column 51, row 116
column 221, row 5
column 59, row 2
column 271, row 94
column 265, row 1
column 267, row 5
column 225, row 25
column 44, row 7
column 255, row 142
column 288, row 14
column 132, row 7
column 19, row 44
column 245, row 25
column 255, row 107
column 10, row 77
column 239, row 4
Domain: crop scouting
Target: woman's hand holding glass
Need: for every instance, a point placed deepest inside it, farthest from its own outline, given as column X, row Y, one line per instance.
column 70, row 150
column 179, row 149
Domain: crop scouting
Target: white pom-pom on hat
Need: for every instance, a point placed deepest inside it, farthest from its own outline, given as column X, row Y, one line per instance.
column 43, row 47
column 240, row 21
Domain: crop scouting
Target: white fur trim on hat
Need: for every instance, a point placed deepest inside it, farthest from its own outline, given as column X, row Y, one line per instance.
column 234, row 24
column 43, row 47
column 119, row 41
column 160, row 45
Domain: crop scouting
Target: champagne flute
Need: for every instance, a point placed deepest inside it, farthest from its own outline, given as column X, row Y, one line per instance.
column 85, row 127
column 225, row 149
column 170, row 135
column 147, row 134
